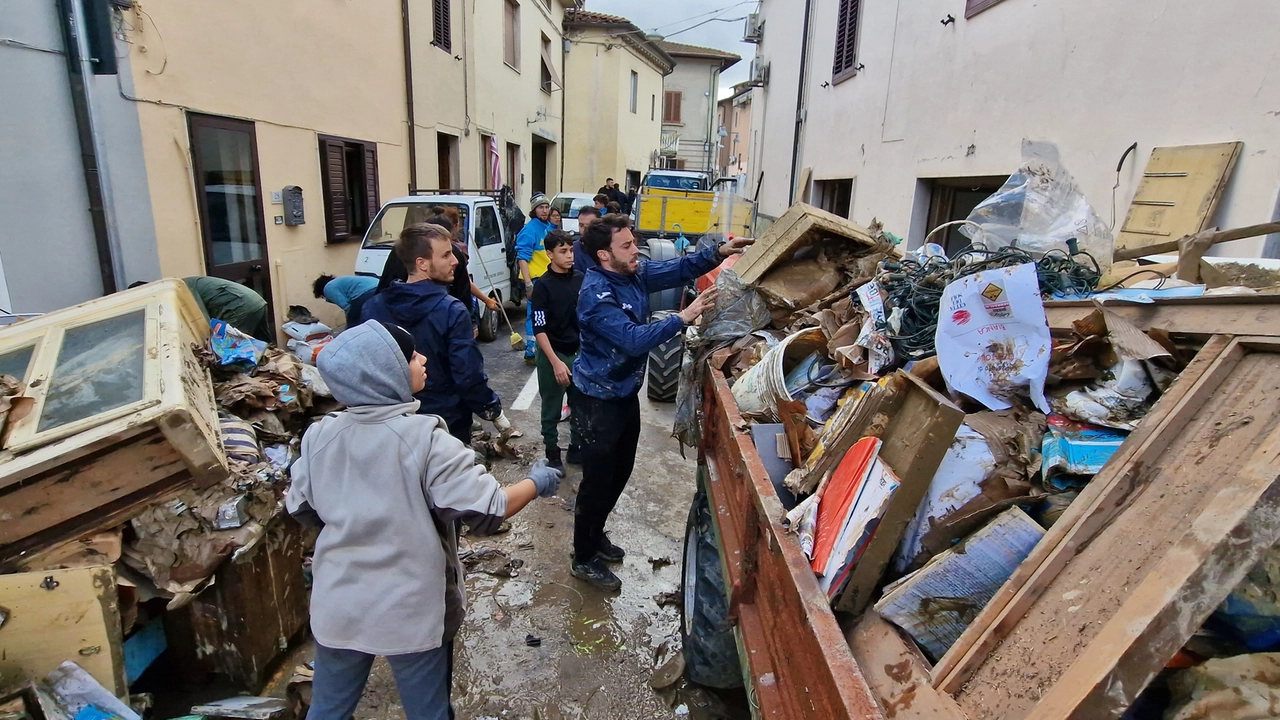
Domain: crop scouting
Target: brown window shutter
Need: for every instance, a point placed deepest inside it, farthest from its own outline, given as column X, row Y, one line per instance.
column 442, row 31
column 333, row 176
column 671, row 106
column 371, row 180
column 846, row 38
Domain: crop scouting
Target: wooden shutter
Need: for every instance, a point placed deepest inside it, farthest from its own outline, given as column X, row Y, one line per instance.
column 846, row 55
column 441, row 32
column 371, row 180
column 671, row 106
column 333, row 174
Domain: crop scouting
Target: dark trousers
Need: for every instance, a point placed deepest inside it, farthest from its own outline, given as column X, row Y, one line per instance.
column 424, row 680
column 461, row 429
column 610, row 433
column 552, row 395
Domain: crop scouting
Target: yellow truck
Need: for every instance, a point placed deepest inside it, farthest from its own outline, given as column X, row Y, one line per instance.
column 679, row 202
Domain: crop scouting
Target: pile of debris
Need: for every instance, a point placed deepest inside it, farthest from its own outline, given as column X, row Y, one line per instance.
column 934, row 434
column 149, row 514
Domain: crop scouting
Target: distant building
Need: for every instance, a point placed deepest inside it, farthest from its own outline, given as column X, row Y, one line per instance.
column 614, row 75
column 901, row 112
column 689, row 123
column 735, row 136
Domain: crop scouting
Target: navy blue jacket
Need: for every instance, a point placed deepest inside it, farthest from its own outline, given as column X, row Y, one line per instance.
column 457, row 385
column 613, row 318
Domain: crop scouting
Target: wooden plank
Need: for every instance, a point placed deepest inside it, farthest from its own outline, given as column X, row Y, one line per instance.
column 798, row 226
column 1223, row 543
column 61, row 615
column 1212, row 236
column 1101, row 499
column 1195, row 455
column 85, row 485
column 897, row 674
column 1178, row 194
column 1205, row 316
column 914, row 441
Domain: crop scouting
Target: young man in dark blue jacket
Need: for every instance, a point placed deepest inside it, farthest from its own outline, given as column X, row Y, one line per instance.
column 457, row 386
column 613, row 319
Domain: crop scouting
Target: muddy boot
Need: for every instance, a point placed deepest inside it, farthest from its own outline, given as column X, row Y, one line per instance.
column 574, row 456
column 553, row 457
column 610, row 552
column 596, row 573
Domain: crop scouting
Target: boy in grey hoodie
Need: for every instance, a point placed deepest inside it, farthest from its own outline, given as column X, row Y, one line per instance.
column 386, row 486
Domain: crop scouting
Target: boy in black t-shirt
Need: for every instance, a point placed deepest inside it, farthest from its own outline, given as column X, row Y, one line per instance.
column 555, row 328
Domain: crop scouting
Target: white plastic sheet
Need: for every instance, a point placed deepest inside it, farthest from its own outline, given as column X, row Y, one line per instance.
column 993, row 339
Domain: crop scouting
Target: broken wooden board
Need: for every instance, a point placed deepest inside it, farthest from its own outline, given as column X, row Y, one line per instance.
column 799, row 226
column 60, row 615
column 86, row 484
column 1100, row 500
column 1177, row 196
column 897, row 674
column 915, row 435
column 1108, row 621
column 1244, row 315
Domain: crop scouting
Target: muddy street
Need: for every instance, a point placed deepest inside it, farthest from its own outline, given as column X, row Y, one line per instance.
column 594, row 653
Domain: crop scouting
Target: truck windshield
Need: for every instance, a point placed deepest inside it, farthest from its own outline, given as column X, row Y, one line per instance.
column 393, row 218
column 675, row 182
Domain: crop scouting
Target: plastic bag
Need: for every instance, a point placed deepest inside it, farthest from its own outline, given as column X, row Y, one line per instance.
column 234, row 348
column 1039, row 208
column 739, row 311
column 993, row 340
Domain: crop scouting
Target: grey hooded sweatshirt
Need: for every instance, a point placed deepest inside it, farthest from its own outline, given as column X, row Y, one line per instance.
column 387, row 485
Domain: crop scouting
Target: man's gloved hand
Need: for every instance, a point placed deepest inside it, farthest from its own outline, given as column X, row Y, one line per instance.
column 504, row 427
column 545, row 478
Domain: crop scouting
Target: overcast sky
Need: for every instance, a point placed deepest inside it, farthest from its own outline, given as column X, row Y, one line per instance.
column 669, row 17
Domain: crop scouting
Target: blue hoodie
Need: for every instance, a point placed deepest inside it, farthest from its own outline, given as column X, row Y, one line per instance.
column 457, row 386
column 613, row 320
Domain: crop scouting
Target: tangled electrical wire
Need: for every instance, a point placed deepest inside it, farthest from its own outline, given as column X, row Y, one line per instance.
column 914, row 287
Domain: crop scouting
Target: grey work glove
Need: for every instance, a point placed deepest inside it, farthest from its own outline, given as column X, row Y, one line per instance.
column 545, row 478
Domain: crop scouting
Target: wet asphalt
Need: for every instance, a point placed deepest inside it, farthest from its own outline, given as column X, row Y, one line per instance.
column 596, row 652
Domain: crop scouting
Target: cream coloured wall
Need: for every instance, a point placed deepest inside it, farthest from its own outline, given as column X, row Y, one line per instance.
column 297, row 70
column 510, row 103
column 605, row 139
column 1093, row 76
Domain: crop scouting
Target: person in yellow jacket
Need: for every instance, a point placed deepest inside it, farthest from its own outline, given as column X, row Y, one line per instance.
column 531, row 257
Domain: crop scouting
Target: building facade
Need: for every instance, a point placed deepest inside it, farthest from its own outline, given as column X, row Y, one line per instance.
column 255, row 141
column 896, row 107
column 614, row 74
column 734, row 133
column 690, row 94
column 75, row 212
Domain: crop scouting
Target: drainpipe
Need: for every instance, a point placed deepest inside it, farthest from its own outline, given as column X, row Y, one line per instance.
column 795, row 140
column 408, row 98
column 92, row 148
column 564, row 81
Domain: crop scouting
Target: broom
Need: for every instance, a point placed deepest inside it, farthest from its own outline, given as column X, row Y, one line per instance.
column 517, row 340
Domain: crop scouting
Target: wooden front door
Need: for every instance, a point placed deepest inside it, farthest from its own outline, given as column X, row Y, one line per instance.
column 224, row 156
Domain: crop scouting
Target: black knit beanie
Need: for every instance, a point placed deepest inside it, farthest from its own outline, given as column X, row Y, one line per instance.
column 402, row 338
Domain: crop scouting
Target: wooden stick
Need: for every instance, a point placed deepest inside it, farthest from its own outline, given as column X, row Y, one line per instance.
column 1216, row 236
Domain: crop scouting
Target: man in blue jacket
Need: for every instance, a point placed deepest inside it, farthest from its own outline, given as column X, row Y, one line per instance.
column 457, row 386
column 613, row 319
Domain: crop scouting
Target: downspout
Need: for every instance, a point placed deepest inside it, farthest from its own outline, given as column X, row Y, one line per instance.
column 466, row 78
column 92, row 150
column 408, row 98
column 795, row 139
column 564, row 80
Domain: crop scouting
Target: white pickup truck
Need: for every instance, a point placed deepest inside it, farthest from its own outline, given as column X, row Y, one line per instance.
column 486, row 239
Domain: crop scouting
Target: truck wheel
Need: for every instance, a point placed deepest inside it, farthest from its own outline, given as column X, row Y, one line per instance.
column 488, row 325
column 710, row 650
column 664, row 369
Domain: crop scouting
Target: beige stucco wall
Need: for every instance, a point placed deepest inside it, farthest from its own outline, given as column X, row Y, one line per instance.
column 698, row 79
column 297, row 70
column 605, row 139
column 1093, row 76
column 510, row 103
